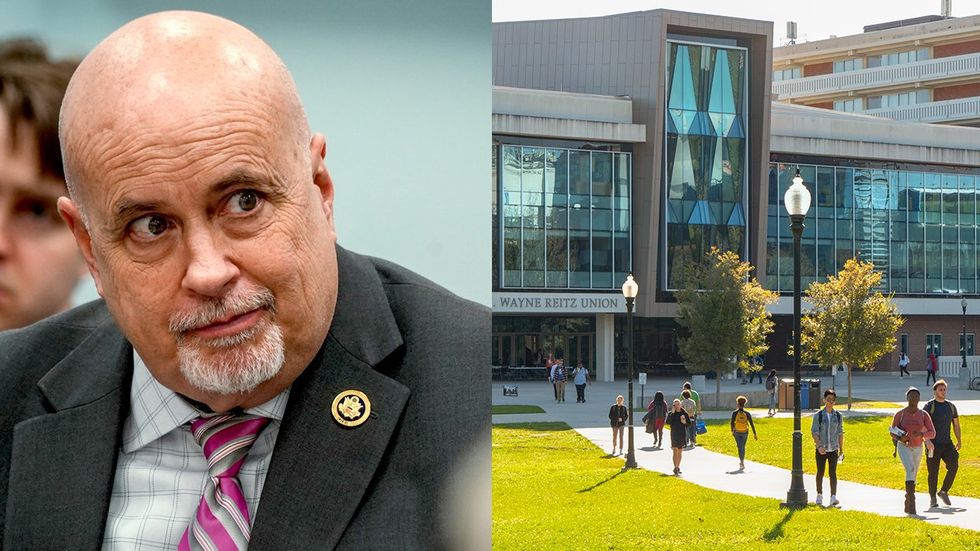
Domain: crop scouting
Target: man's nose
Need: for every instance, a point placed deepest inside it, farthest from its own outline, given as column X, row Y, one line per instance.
column 210, row 270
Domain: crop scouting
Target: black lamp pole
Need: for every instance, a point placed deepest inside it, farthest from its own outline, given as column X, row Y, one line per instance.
column 963, row 304
column 796, row 497
column 630, row 456
column 797, row 201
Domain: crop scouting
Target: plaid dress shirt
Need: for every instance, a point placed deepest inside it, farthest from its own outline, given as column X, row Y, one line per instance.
column 161, row 471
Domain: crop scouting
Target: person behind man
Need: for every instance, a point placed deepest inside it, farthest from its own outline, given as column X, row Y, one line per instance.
column 561, row 379
column 827, row 430
column 689, row 405
column 581, row 379
column 944, row 415
column 39, row 262
column 245, row 381
column 932, row 367
column 695, row 412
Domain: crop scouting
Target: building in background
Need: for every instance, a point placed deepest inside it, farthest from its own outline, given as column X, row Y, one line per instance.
column 919, row 70
column 635, row 142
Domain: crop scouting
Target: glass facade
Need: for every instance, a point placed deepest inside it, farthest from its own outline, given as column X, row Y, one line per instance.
column 918, row 228
column 564, row 217
column 705, row 170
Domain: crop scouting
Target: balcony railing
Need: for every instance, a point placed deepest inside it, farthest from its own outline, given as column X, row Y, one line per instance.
column 936, row 111
column 892, row 75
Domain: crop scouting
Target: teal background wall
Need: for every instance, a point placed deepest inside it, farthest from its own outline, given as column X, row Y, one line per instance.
column 401, row 89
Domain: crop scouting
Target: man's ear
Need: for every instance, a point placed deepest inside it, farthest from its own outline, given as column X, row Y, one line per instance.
column 72, row 216
column 321, row 177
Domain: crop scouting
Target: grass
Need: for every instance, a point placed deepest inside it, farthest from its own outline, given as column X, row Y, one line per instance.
column 867, row 446
column 510, row 409
column 553, row 489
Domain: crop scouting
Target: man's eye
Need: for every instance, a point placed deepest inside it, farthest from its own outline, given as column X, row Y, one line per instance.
column 149, row 227
column 243, row 201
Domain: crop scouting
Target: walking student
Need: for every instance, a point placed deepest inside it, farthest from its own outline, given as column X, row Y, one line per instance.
column 581, row 378
column 561, row 377
column 678, row 419
column 827, row 430
column 772, row 381
column 903, row 365
column 617, row 419
column 932, row 367
column 943, row 414
column 740, row 423
column 694, row 412
column 914, row 426
column 657, row 415
column 689, row 405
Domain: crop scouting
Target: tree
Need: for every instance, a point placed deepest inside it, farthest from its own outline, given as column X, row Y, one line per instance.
column 849, row 323
column 725, row 312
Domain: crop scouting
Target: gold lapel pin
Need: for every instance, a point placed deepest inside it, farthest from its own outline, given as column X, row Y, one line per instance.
column 351, row 408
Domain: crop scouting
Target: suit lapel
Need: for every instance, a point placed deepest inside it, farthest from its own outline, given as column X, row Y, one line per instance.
column 321, row 470
column 62, row 463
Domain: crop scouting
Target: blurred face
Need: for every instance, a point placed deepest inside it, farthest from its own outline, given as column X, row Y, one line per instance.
column 830, row 400
column 913, row 398
column 619, row 400
column 211, row 238
column 677, row 405
column 940, row 392
column 39, row 262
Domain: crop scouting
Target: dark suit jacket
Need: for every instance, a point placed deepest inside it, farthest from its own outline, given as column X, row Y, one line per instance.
column 413, row 348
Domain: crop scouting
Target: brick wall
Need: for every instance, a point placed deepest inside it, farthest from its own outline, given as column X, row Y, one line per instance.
column 956, row 92
column 960, row 48
column 818, row 69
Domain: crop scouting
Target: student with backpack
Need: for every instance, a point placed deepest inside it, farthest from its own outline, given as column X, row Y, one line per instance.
column 944, row 416
column 932, row 367
column 827, row 430
column 772, row 381
column 740, row 423
column 655, row 418
column 914, row 426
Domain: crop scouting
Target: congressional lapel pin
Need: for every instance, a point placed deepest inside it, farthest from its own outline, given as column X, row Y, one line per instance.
column 351, row 408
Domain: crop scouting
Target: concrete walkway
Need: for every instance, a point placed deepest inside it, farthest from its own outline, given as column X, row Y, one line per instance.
column 720, row 471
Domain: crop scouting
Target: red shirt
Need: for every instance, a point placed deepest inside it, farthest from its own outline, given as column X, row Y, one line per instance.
column 915, row 422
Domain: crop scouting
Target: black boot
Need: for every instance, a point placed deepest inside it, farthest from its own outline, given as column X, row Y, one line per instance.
column 910, row 497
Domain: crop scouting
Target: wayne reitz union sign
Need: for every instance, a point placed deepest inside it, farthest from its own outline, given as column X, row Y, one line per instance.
column 558, row 303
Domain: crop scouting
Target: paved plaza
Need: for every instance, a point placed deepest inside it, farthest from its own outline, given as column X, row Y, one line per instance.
column 719, row 471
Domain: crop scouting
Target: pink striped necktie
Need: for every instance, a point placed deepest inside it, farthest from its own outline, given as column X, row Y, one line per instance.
column 222, row 522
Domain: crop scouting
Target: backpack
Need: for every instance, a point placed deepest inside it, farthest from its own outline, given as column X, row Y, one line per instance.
column 741, row 421
column 770, row 383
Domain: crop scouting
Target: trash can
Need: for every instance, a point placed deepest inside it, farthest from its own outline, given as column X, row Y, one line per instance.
column 784, row 394
column 809, row 394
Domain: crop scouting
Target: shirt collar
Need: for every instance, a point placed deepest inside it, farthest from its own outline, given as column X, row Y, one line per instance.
column 155, row 410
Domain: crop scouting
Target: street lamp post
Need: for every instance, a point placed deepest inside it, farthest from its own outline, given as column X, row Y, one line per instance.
column 964, row 372
column 630, row 290
column 797, row 200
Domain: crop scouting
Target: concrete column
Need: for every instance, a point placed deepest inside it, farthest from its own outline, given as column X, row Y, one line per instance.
column 605, row 356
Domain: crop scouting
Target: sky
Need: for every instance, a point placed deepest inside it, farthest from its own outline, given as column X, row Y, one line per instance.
column 815, row 20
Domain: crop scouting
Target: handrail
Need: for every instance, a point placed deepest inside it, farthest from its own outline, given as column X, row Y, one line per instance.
column 934, row 111
column 918, row 71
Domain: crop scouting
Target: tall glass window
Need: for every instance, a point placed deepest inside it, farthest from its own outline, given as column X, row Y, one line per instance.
column 706, row 143
column 565, row 220
column 918, row 229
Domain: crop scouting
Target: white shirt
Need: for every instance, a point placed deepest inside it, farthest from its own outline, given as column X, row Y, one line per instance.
column 161, row 471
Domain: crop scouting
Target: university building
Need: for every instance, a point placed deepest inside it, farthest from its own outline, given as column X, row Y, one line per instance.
column 638, row 141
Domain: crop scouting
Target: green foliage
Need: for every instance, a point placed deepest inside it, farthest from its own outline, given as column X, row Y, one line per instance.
column 510, row 409
column 725, row 311
column 553, row 489
column 850, row 323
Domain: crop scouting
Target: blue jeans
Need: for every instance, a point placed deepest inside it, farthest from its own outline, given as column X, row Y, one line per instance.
column 772, row 401
column 740, row 439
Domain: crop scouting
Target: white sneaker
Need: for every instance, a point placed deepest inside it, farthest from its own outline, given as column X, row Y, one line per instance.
column 819, row 500
column 833, row 501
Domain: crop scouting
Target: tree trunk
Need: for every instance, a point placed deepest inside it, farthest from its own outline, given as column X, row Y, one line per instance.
column 848, row 368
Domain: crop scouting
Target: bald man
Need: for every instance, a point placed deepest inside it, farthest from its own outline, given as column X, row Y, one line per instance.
column 245, row 382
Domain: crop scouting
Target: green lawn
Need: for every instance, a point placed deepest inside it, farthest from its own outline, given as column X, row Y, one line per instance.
column 867, row 446
column 553, row 489
column 506, row 409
